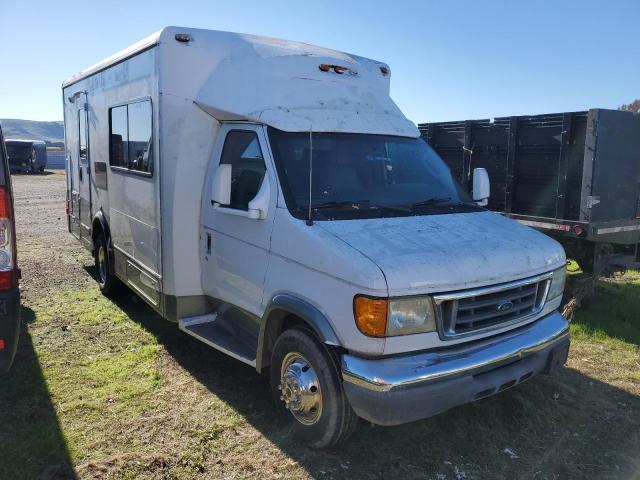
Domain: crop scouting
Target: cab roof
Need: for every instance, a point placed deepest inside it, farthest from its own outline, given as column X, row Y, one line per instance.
column 288, row 85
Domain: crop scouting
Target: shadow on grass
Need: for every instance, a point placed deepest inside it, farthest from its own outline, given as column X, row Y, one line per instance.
column 31, row 441
column 565, row 426
column 613, row 311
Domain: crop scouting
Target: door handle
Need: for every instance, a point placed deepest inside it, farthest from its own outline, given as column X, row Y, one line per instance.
column 208, row 243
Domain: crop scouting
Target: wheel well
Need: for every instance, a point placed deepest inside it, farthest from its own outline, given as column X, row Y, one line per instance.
column 96, row 228
column 99, row 226
column 277, row 322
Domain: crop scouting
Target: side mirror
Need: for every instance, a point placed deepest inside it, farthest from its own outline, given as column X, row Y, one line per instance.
column 221, row 185
column 481, row 186
column 259, row 206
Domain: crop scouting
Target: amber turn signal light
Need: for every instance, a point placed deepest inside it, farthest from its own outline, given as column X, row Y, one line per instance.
column 371, row 315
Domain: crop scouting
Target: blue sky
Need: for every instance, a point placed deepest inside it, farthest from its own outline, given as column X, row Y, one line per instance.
column 450, row 60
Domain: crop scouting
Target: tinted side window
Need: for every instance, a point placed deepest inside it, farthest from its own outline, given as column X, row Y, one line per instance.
column 140, row 157
column 242, row 151
column 130, row 137
column 118, row 137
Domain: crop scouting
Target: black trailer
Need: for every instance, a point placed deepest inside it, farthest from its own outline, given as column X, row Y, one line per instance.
column 575, row 175
column 26, row 156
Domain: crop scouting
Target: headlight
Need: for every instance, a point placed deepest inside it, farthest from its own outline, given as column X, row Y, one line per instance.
column 383, row 317
column 411, row 315
column 557, row 283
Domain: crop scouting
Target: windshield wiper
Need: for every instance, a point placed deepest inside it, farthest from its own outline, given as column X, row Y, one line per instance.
column 336, row 204
column 357, row 204
column 442, row 201
column 431, row 201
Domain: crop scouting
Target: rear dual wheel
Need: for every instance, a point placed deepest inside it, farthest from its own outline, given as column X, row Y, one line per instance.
column 307, row 389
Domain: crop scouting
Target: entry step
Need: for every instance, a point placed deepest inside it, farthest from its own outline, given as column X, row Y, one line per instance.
column 224, row 334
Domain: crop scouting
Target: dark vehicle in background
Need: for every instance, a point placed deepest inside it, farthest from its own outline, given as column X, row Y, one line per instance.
column 9, row 272
column 573, row 175
column 26, row 156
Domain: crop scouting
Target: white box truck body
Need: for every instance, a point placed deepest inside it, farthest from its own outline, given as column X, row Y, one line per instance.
column 270, row 198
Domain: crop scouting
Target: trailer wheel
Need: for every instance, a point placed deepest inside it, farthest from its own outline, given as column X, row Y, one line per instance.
column 106, row 279
column 307, row 390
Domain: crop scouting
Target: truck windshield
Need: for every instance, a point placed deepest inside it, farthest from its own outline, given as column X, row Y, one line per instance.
column 364, row 176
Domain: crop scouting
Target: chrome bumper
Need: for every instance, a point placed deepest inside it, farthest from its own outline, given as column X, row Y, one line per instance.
column 455, row 375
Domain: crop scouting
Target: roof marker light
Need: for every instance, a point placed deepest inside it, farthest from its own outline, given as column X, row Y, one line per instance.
column 337, row 69
column 384, row 70
column 183, row 37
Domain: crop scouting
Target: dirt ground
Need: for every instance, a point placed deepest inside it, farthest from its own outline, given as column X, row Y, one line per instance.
column 48, row 255
column 107, row 389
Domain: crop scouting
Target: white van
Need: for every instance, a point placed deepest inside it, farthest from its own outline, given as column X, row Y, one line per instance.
column 270, row 198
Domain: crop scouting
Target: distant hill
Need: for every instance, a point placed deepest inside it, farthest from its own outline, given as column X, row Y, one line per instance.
column 50, row 132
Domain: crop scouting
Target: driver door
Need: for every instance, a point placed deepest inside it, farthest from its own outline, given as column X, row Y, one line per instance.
column 236, row 246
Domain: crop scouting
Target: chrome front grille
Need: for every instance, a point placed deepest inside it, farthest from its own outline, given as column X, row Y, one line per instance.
column 471, row 311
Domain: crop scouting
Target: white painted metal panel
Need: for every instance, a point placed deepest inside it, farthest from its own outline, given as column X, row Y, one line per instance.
column 133, row 198
column 316, row 266
column 187, row 135
column 436, row 253
column 130, row 202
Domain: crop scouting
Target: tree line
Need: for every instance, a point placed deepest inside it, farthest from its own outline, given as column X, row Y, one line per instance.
column 631, row 107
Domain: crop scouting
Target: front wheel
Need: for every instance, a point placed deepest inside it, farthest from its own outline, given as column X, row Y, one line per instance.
column 307, row 389
column 106, row 279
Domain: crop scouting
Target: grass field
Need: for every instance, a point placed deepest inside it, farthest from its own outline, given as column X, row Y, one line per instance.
column 110, row 390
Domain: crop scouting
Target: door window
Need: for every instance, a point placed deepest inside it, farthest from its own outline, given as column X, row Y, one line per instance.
column 242, row 151
column 82, row 135
column 119, row 137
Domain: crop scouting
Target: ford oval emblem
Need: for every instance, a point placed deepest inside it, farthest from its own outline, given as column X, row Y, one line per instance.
column 504, row 307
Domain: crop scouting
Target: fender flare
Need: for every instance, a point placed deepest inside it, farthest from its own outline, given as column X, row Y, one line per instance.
column 99, row 217
column 308, row 313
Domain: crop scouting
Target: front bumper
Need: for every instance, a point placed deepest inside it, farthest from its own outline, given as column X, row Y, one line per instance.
column 396, row 390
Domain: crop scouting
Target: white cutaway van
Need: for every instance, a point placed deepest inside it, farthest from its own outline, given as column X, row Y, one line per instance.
column 270, row 198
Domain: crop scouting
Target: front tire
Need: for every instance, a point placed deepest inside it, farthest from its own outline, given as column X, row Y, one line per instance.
column 105, row 277
column 307, row 389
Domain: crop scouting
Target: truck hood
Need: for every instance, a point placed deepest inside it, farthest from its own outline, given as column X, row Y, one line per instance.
column 436, row 253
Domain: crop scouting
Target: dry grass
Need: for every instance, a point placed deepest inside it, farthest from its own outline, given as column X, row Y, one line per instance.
column 109, row 390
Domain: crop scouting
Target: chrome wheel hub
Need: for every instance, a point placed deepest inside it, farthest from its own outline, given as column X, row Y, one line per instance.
column 300, row 389
column 102, row 266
